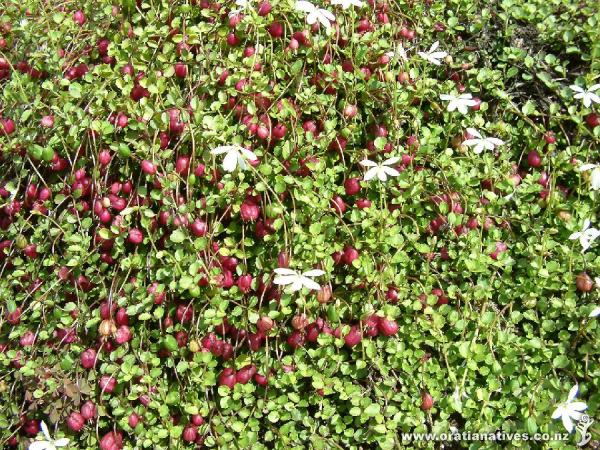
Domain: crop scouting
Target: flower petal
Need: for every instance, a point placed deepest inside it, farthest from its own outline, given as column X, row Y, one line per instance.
column 471, row 142
column 327, row 14
column 577, row 406
column 390, row 161
column 368, row 163
column 438, row 55
column 462, row 108
column 576, row 88
column 390, row 171
column 44, row 429
column 447, row 97
column 585, row 167
column 495, row 141
column 285, row 271
column 222, row 149
column 63, row 442
column 310, row 284
column 381, row 175
column 473, row 132
column 371, row 173
column 323, row 19
column 558, row 412
column 595, row 179
column 230, row 161
column 575, row 236
column 250, row 155
column 285, row 279
column 594, row 97
column 305, row 6
column 297, row 285
column 587, row 101
column 595, row 312
column 38, row 445
column 567, row 422
column 572, row 393
column 314, row 273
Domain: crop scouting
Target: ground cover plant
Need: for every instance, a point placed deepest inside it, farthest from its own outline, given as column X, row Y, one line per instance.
column 284, row 224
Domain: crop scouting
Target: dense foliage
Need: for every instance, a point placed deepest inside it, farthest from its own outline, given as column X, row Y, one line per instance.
column 138, row 307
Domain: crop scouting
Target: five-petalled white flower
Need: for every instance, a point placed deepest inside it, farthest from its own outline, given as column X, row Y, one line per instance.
column 570, row 410
column 460, row 103
column 296, row 280
column 432, row 55
column 381, row 171
column 586, row 236
column 587, row 96
column 235, row 155
column 594, row 177
column 48, row 443
column 480, row 143
column 315, row 14
column 345, row 4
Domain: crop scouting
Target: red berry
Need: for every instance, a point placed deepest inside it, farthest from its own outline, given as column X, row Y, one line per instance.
column 350, row 254
column 181, row 70
column 88, row 358
column 112, row 440
column 593, row 120
column 190, row 433
column 79, row 18
column 148, row 167
column 352, row 186
column 198, row 228
column 227, row 378
column 75, row 422
column 426, row 401
column 353, row 337
column 534, row 159
column 133, row 420
column 107, row 383
column 388, row 327
column 7, row 126
column 88, row 410
column 136, row 237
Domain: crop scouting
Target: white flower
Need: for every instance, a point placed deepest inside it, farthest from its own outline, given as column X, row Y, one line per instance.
column 595, row 177
column 315, row 14
column 381, row 171
column 461, row 103
column 49, row 443
column 242, row 5
column 432, row 56
column 480, row 143
column 570, row 410
column 297, row 280
column 399, row 53
column 348, row 3
column 235, row 155
column 588, row 96
column 586, row 236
